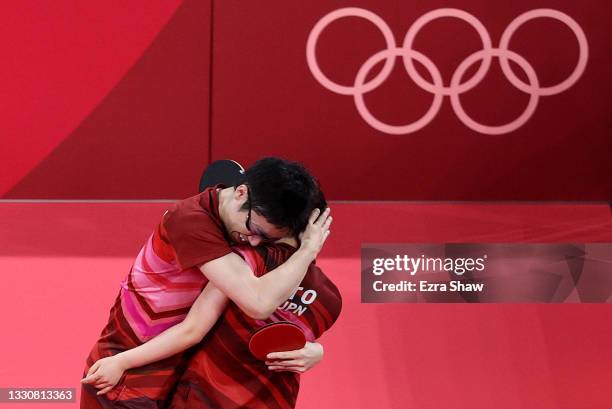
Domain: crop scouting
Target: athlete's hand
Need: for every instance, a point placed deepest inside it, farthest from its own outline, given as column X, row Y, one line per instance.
column 316, row 232
column 298, row 361
column 104, row 374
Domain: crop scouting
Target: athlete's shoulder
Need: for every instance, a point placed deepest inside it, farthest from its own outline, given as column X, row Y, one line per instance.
column 194, row 213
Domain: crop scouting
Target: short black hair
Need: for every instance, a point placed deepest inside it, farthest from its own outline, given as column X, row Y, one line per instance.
column 283, row 192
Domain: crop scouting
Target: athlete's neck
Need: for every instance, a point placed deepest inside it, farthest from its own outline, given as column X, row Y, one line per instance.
column 225, row 196
column 288, row 240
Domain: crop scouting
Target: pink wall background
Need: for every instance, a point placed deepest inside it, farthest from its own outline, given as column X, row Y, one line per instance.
column 61, row 280
column 132, row 101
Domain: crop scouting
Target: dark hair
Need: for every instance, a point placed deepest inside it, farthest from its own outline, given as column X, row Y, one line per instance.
column 283, row 192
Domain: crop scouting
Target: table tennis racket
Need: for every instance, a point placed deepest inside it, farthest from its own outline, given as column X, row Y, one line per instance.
column 225, row 172
column 276, row 337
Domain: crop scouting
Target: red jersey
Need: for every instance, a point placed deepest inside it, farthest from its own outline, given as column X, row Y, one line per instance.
column 157, row 293
column 224, row 374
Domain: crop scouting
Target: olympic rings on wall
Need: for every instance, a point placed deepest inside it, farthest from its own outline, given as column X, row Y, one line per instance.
column 456, row 86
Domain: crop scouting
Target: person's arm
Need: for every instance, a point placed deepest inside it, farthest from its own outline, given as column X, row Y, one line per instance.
column 258, row 297
column 208, row 307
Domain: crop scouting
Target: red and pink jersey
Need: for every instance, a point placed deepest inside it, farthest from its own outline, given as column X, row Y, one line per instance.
column 159, row 290
column 165, row 279
column 224, row 374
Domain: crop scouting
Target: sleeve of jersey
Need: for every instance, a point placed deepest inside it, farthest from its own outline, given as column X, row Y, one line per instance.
column 328, row 303
column 252, row 258
column 195, row 237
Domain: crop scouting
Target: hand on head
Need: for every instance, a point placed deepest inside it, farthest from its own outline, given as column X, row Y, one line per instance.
column 317, row 231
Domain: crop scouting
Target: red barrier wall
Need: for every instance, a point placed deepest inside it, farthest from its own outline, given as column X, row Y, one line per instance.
column 114, row 102
column 267, row 101
column 106, row 101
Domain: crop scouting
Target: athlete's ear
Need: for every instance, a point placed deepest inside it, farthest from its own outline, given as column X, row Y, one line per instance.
column 241, row 193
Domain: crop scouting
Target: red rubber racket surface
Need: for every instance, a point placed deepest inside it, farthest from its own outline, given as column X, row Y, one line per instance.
column 276, row 337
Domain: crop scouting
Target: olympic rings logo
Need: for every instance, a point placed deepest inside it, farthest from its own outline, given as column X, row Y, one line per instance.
column 457, row 86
